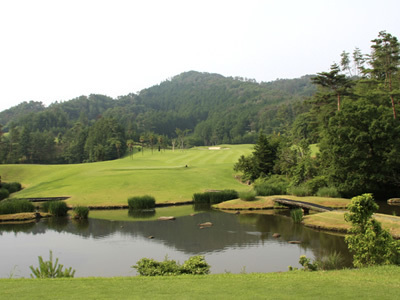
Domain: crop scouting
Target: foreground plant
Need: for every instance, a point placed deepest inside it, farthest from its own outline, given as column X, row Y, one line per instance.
column 368, row 241
column 50, row 269
column 195, row 265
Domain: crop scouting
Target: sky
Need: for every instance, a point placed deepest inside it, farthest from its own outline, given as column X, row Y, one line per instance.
column 57, row 50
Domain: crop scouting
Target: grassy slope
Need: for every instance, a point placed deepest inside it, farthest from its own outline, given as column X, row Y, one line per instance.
column 369, row 283
column 162, row 175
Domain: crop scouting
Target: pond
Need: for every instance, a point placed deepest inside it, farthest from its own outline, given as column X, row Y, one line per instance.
column 97, row 247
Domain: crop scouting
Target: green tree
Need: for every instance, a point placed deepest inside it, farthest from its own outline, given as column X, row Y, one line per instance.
column 385, row 61
column 360, row 149
column 261, row 162
column 370, row 244
column 130, row 143
column 337, row 83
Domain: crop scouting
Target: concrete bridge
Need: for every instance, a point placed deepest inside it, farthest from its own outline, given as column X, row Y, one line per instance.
column 305, row 206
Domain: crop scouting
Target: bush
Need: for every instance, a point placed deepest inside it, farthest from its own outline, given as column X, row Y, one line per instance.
column 48, row 269
column 201, row 197
column 4, row 193
column 195, row 265
column 14, row 206
column 221, row 196
column 316, row 183
column 297, row 215
column 141, row 202
column 56, row 208
column 300, row 191
column 274, row 185
column 12, row 187
column 248, row 196
column 369, row 242
column 328, row 192
column 215, row 197
column 81, row 212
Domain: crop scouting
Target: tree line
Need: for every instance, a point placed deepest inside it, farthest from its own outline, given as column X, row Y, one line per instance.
column 190, row 109
column 352, row 118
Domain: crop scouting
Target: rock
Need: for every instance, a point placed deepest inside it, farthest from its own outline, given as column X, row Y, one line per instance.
column 206, row 224
column 294, row 242
column 166, row 218
column 237, row 213
column 276, row 235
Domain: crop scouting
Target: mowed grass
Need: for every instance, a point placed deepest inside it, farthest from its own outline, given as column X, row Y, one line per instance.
column 334, row 221
column 368, row 283
column 163, row 175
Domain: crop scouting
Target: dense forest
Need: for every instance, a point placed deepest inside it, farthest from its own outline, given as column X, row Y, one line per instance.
column 190, row 109
column 353, row 117
column 349, row 111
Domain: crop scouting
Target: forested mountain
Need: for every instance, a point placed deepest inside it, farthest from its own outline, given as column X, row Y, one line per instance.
column 350, row 111
column 201, row 108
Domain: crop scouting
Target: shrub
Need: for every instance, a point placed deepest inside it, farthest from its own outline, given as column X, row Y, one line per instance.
column 221, row 196
column 248, row 195
column 151, row 267
column 56, row 208
column 297, row 215
column 195, row 265
column 300, row 191
column 81, row 212
column 215, row 197
column 274, row 185
column 369, row 243
column 48, row 269
column 316, row 183
column 141, row 202
column 4, row 193
column 201, row 197
column 14, row 206
column 328, row 192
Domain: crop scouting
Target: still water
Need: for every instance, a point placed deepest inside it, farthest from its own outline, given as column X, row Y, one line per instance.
column 97, row 247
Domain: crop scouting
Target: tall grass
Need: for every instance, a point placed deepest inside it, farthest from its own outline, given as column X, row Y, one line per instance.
column 141, row 202
column 14, row 206
column 56, row 208
column 333, row 261
column 328, row 192
column 248, row 195
column 274, row 185
column 81, row 212
column 299, row 191
column 214, row 197
column 297, row 215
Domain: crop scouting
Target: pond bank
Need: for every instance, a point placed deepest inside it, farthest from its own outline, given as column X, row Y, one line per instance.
column 23, row 217
column 334, row 221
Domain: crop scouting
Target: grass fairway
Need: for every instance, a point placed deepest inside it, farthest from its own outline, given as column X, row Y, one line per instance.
column 368, row 283
column 163, row 175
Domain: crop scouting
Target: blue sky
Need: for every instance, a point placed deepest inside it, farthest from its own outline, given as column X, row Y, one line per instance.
column 58, row 50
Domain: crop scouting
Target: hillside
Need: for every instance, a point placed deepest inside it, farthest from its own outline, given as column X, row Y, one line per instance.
column 192, row 108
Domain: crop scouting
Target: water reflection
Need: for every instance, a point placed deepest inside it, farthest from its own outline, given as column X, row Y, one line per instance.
column 232, row 242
